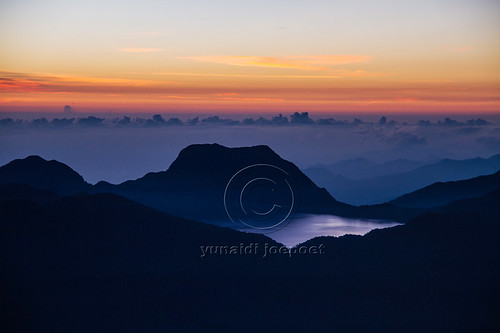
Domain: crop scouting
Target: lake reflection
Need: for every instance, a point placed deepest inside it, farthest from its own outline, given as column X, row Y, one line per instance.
column 305, row 227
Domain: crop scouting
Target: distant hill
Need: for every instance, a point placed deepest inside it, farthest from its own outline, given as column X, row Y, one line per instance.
column 439, row 194
column 361, row 168
column 386, row 188
column 42, row 174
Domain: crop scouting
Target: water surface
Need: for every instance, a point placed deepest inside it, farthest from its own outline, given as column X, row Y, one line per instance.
column 305, row 227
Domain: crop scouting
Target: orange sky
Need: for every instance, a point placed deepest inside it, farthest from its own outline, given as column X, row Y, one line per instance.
column 419, row 57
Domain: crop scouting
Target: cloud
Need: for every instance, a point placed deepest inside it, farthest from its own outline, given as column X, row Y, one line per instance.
column 332, row 121
column 359, row 73
column 254, row 75
column 182, row 97
column 64, row 122
column 141, row 50
column 249, row 99
column 315, row 62
column 90, row 121
column 280, row 94
column 6, row 122
column 405, row 139
column 18, row 84
column 471, row 122
column 428, row 81
column 216, row 120
column 227, row 94
column 279, row 120
column 388, row 130
column 301, row 119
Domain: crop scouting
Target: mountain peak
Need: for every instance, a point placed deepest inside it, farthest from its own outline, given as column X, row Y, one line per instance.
column 195, row 184
column 39, row 173
column 216, row 148
column 33, row 158
column 201, row 157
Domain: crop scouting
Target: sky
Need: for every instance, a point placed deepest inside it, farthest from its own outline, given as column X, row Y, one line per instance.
column 438, row 56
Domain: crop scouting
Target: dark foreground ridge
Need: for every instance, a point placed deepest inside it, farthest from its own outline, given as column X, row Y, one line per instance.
column 101, row 262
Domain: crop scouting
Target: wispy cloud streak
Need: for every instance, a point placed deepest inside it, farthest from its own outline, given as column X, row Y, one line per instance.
column 314, row 62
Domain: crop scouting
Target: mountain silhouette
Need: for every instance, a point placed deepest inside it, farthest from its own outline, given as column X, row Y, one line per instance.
column 16, row 192
column 376, row 190
column 430, row 260
column 88, row 262
column 194, row 185
column 488, row 204
column 42, row 174
column 439, row 194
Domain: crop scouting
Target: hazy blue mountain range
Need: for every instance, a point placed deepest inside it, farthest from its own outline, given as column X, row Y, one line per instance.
column 362, row 168
column 385, row 188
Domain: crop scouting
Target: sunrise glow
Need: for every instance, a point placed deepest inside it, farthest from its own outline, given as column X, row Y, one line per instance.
column 425, row 56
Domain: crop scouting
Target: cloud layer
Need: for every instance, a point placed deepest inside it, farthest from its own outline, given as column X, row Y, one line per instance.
column 126, row 147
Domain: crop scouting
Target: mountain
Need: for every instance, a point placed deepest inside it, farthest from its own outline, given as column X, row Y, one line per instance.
column 319, row 174
column 449, row 261
column 91, row 262
column 195, row 184
column 439, row 194
column 42, row 174
column 16, row 192
column 66, row 261
column 361, row 168
column 382, row 189
column 486, row 203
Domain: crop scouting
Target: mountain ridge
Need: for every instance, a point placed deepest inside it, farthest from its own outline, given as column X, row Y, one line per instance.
column 51, row 175
column 386, row 188
column 442, row 193
column 197, row 179
column 194, row 184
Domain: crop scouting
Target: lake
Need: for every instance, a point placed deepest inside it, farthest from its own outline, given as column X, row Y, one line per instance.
column 305, row 227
